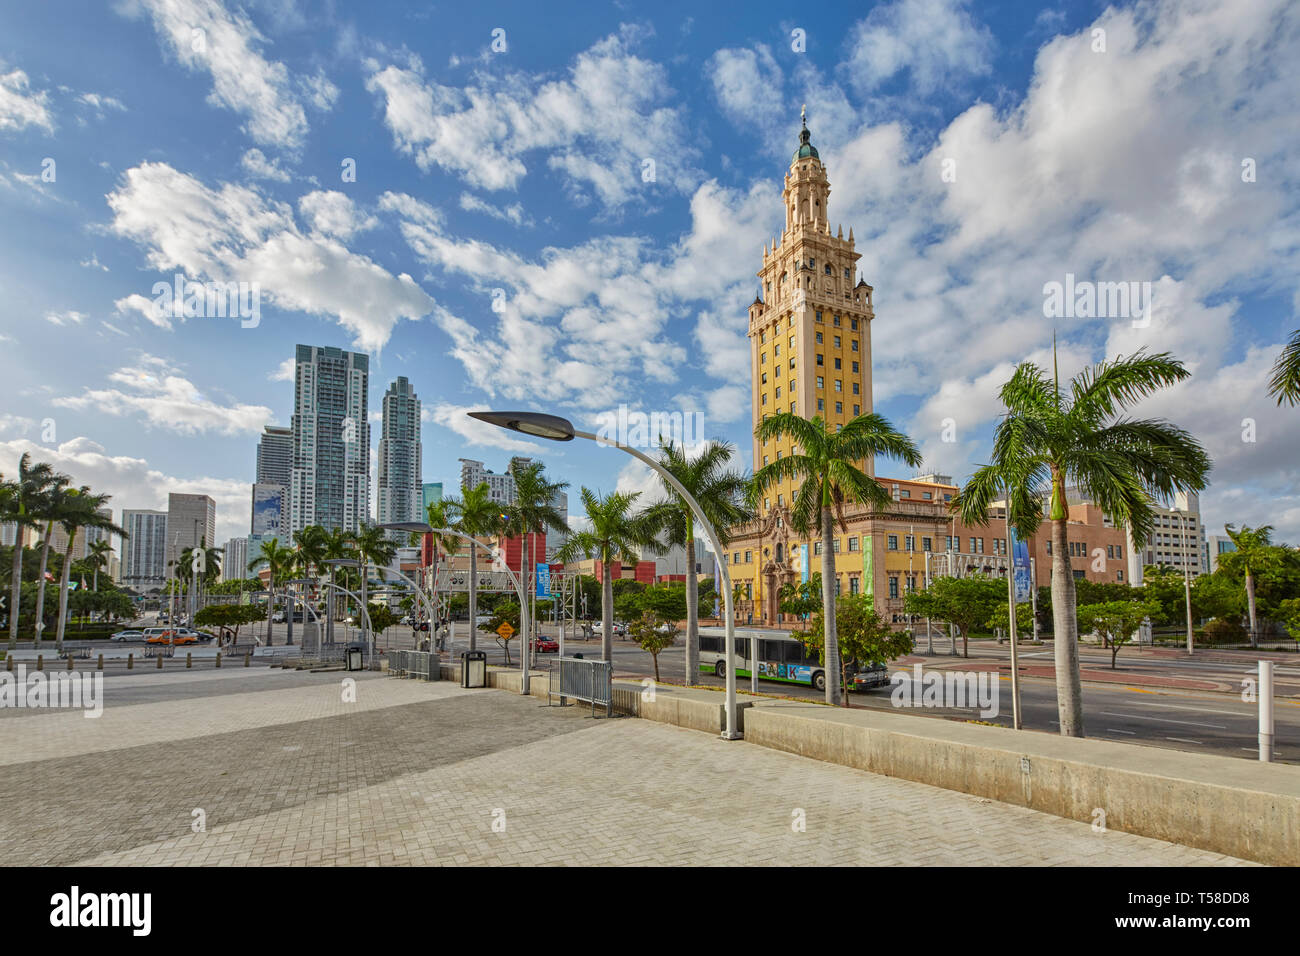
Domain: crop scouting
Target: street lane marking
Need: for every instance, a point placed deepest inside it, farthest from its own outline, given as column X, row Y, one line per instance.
column 1184, row 740
column 1199, row 710
column 1116, row 730
column 1165, row 720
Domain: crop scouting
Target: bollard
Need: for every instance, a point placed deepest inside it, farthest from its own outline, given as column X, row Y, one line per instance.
column 218, row 658
column 101, row 662
column 40, row 662
column 1266, row 711
column 130, row 661
column 69, row 660
column 160, row 657
column 189, row 659
column 9, row 663
column 247, row 658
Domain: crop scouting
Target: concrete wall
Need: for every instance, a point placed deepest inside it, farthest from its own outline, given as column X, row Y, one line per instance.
column 1237, row 807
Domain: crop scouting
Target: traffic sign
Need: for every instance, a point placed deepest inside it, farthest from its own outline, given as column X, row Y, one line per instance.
column 505, row 630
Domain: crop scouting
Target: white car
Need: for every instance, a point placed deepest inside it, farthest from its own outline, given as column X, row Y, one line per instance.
column 130, row 634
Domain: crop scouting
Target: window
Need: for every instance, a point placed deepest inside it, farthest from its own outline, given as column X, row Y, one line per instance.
column 819, row 318
column 762, row 359
column 854, row 325
column 792, row 386
column 735, row 559
column 837, row 341
column 777, row 371
column 749, row 557
column 909, row 543
column 837, row 321
column 821, row 360
column 792, row 341
column 776, row 351
column 857, row 410
column 926, row 544
column 893, row 586
column 835, row 545
column 839, row 385
column 764, row 402
column 821, row 383
column 817, row 548
column 853, row 543
column 855, row 368
column 927, row 495
column 853, row 584
column 911, row 582
column 892, row 545
column 762, row 338
column 1119, row 550
column 904, row 493
column 855, row 346
column 792, row 411
column 812, row 264
column 972, row 551
column 839, row 364
column 765, row 465
column 828, row 268
column 821, row 407
column 1049, row 551
column 855, row 389
column 1110, row 553
column 764, row 380
column 819, row 342
column 792, row 363
column 848, row 277
column 839, row 408
column 1119, row 576
column 778, row 391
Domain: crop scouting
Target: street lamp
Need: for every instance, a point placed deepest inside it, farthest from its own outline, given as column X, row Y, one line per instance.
column 555, row 428
column 339, row 563
column 415, row 527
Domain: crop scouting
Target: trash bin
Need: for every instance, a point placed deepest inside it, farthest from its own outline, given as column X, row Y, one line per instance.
column 355, row 653
column 578, row 656
column 473, row 669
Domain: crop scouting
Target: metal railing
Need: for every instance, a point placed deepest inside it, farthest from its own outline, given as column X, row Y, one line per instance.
column 591, row 681
column 420, row 664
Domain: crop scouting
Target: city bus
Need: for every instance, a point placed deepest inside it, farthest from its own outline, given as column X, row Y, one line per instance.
column 781, row 656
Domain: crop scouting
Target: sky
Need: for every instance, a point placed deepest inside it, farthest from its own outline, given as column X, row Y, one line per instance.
column 562, row 207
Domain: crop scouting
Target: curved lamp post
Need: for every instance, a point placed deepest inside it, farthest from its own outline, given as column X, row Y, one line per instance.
column 555, row 428
column 415, row 527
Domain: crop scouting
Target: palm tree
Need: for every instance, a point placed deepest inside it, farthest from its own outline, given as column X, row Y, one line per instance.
column 533, row 513
column 310, row 544
column 31, row 487
column 1050, row 442
column 81, row 511
column 440, row 514
column 337, row 545
column 372, row 545
column 615, row 534
column 719, row 492
column 50, row 508
column 477, row 514
column 279, row 561
column 1285, row 383
column 825, row 464
column 1255, row 552
column 97, row 553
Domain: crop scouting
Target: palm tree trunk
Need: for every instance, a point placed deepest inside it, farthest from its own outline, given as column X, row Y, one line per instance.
column 473, row 596
column 40, row 585
column 270, row 608
column 1250, row 607
column 831, row 634
column 692, row 612
column 1069, row 690
column 15, row 586
column 607, row 613
column 63, row 597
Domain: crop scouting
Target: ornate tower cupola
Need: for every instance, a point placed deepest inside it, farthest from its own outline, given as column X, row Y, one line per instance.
column 806, row 187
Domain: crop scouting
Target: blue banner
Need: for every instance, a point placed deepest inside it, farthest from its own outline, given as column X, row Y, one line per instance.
column 803, row 562
column 1020, row 562
column 543, row 580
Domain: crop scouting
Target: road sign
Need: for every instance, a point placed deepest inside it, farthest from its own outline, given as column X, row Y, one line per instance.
column 505, row 630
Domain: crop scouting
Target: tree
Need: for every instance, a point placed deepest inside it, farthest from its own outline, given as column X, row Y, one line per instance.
column 719, row 491
column 97, row 553
column 965, row 603
column 654, row 634
column 1049, row 441
column 1285, row 383
column 24, row 506
column 49, row 508
column 81, row 510
column 532, row 513
column 667, row 602
column 476, row 514
column 1115, row 621
column 279, row 562
column 373, row 546
column 802, row 600
column 1255, row 553
column 614, row 534
column 865, row 640
column 826, row 464
column 1002, row 615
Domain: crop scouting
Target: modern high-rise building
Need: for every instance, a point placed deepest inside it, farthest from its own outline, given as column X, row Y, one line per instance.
column 191, row 520
column 330, row 481
column 235, row 564
column 431, row 493
column 1217, row 545
column 501, row 488
column 400, row 491
column 1178, row 540
column 270, row 511
column 144, row 550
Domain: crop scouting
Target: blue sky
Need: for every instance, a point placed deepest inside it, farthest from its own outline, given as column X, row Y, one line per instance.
column 209, row 139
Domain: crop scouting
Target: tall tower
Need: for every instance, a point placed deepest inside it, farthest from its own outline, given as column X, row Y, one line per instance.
column 330, row 481
column 810, row 326
column 400, row 490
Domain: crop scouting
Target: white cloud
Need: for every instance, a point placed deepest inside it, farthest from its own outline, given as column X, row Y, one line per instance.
column 93, row 263
column 513, row 213
column 233, row 233
column 332, row 213
column 66, row 317
column 935, row 41
column 597, row 125
column 21, row 106
column 145, row 307
column 132, row 483
column 286, row 371
column 257, row 165
column 101, row 104
column 203, row 35
column 155, row 390
column 473, row 431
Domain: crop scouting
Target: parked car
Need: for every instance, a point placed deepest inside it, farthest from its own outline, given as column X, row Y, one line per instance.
column 618, row 630
column 130, row 634
column 868, row 677
column 155, row 631
column 544, row 645
column 482, row 619
column 278, row 617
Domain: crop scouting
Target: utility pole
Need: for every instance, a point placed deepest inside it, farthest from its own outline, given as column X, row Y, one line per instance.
column 1184, row 521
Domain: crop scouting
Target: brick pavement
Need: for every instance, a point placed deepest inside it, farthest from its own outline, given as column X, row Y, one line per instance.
column 433, row 774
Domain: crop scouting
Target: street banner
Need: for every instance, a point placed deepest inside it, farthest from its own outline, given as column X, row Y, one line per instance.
column 868, row 568
column 804, row 567
column 1020, row 562
column 543, row 580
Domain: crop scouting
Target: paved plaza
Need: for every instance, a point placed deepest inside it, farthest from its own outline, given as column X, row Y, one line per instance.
column 286, row 771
